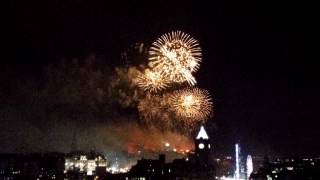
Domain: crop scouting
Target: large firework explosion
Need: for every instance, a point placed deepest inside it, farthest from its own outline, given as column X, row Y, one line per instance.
column 176, row 55
column 191, row 105
column 172, row 59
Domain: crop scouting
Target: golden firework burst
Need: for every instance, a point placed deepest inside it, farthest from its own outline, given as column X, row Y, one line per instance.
column 191, row 104
column 152, row 81
column 176, row 55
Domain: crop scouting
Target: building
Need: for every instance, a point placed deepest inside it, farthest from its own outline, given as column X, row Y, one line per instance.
column 44, row 166
column 289, row 169
column 80, row 164
column 202, row 147
column 32, row 166
column 194, row 166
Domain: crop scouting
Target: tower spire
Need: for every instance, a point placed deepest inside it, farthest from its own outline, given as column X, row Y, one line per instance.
column 202, row 134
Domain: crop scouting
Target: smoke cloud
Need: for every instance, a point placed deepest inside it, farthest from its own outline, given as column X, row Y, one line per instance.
column 81, row 105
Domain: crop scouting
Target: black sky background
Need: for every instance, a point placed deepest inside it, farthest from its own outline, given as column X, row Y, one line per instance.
column 253, row 53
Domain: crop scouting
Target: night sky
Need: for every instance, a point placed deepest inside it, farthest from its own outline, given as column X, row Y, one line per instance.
column 253, row 54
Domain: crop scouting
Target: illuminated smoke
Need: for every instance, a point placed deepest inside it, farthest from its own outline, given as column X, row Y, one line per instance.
column 84, row 105
column 88, row 103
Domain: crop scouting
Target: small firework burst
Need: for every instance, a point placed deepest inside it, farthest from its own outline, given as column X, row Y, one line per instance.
column 152, row 81
column 192, row 105
column 147, row 108
column 153, row 110
column 176, row 55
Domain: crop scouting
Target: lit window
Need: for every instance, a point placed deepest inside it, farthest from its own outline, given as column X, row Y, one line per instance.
column 290, row 168
column 201, row 146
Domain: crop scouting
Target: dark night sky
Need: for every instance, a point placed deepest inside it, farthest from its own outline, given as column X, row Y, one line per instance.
column 252, row 58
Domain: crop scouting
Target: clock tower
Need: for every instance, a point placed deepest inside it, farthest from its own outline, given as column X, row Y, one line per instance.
column 202, row 147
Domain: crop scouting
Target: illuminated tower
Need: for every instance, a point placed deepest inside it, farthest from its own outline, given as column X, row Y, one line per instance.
column 249, row 166
column 237, row 171
column 202, row 146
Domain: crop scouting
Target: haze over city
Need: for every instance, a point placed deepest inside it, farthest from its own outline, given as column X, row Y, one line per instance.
column 132, row 79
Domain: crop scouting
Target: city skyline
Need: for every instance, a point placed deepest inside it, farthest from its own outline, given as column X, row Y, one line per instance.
column 252, row 53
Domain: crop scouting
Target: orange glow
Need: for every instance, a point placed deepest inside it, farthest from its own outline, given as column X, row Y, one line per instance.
column 152, row 141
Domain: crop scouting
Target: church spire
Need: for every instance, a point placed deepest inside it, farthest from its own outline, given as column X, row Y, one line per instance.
column 202, row 134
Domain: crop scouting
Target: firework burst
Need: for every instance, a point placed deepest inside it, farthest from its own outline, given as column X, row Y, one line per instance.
column 192, row 105
column 153, row 111
column 176, row 55
column 147, row 107
column 152, row 81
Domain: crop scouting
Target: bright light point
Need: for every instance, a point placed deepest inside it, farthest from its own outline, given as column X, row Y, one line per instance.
column 201, row 146
column 249, row 166
column 167, row 144
column 188, row 100
column 202, row 134
column 290, row 168
column 237, row 171
column 115, row 170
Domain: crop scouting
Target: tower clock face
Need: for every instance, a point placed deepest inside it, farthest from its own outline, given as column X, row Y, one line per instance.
column 201, row 146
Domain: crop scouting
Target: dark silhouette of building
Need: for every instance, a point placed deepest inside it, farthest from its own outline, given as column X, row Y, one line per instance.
column 32, row 166
column 196, row 166
column 44, row 166
column 81, row 165
column 202, row 147
column 289, row 169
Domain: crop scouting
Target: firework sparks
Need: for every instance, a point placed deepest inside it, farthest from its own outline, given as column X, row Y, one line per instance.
column 191, row 104
column 152, row 81
column 176, row 55
column 147, row 107
column 153, row 109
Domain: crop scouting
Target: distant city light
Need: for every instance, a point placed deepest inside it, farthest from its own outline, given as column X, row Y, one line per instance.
column 249, row 166
column 237, row 171
column 228, row 178
column 290, row 168
column 201, row 146
column 116, row 170
column 83, row 164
